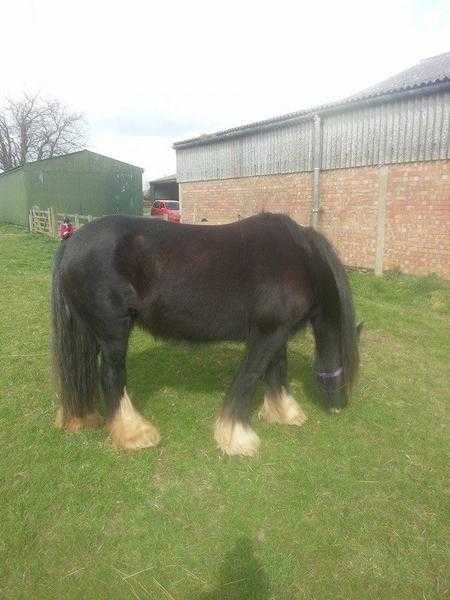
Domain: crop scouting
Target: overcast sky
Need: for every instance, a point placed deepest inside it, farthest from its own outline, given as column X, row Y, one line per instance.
column 148, row 73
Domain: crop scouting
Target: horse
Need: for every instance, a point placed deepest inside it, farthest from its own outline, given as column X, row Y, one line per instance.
column 259, row 280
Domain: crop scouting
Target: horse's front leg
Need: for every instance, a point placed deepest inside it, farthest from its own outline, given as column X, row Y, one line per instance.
column 232, row 430
column 279, row 406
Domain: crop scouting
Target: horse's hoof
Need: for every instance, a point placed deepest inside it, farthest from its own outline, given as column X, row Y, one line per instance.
column 93, row 420
column 140, row 435
column 283, row 409
column 73, row 424
column 129, row 429
column 235, row 439
column 334, row 410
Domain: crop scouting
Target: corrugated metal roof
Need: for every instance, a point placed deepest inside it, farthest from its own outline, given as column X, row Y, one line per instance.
column 33, row 162
column 428, row 73
column 166, row 179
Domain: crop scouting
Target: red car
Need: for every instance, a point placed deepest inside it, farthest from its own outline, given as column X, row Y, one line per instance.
column 168, row 209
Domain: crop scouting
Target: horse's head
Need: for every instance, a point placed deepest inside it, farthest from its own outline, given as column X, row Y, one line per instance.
column 332, row 375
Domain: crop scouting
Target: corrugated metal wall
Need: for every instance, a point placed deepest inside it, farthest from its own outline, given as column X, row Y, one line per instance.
column 83, row 182
column 13, row 199
column 407, row 130
column 282, row 150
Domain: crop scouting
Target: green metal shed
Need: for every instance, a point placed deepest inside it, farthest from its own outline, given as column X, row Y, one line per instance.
column 83, row 182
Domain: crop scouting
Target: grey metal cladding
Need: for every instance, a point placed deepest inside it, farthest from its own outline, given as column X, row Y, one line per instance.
column 411, row 129
column 278, row 150
column 414, row 128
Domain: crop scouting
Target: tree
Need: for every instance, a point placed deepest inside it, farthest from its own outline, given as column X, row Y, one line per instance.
column 33, row 128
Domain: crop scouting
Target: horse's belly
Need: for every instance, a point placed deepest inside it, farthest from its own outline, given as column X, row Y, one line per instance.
column 193, row 320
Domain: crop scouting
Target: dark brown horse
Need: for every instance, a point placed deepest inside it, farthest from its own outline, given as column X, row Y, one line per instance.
column 258, row 281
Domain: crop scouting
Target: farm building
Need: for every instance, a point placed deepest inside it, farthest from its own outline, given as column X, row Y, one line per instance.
column 82, row 182
column 371, row 171
column 164, row 188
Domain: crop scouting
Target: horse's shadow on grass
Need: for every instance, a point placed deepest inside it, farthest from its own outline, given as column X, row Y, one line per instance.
column 240, row 577
column 202, row 369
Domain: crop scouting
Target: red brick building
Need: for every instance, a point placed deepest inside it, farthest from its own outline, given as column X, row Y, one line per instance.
column 372, row 172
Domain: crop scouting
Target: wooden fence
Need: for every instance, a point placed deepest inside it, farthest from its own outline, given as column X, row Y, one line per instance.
column 76, row 220
column 47, row 221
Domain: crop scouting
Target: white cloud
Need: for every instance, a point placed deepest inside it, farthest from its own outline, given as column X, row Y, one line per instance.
column 152, row 153
column 149, row 73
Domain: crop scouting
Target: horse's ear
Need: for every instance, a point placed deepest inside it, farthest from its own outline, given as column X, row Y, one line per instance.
column 359, row 329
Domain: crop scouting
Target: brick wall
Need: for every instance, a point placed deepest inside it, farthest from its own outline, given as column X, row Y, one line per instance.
column 226, row 200
column 417, row 204
column 348, row 216
column 418, row 218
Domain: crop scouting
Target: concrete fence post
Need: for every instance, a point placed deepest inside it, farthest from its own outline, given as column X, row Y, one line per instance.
column 317, row 161
column 180, row 200
column 383, row 176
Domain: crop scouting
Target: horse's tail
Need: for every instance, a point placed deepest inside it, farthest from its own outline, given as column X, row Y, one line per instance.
column 75, row 351
column 333, row 292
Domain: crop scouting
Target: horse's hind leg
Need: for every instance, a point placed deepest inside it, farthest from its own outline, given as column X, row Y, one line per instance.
column 71, row 423
column 128, row 428
column 279, row 406
column 232, row 432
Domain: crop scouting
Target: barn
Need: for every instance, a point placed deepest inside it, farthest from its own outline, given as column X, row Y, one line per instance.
column 81, row 182
column 164, row 188
column 371, row 171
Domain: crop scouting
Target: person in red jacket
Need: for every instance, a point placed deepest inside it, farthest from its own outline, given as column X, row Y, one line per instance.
column 66, row 229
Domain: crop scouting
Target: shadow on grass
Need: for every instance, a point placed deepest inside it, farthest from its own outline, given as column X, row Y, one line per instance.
column 241, row 576
column 203, row 369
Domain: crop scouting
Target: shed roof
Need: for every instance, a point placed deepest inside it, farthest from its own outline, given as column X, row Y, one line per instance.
column 429, row 73
column 166, row 179
column 34, row 162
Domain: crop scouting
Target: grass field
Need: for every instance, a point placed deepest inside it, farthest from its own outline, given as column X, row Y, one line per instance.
column 352, row 506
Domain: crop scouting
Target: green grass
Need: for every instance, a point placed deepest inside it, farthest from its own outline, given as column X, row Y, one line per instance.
column 352, row 506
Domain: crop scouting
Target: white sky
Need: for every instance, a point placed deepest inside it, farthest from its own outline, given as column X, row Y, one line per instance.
column 148, row 73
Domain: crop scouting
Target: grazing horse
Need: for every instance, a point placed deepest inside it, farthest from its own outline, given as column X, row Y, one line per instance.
column 259, row 281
